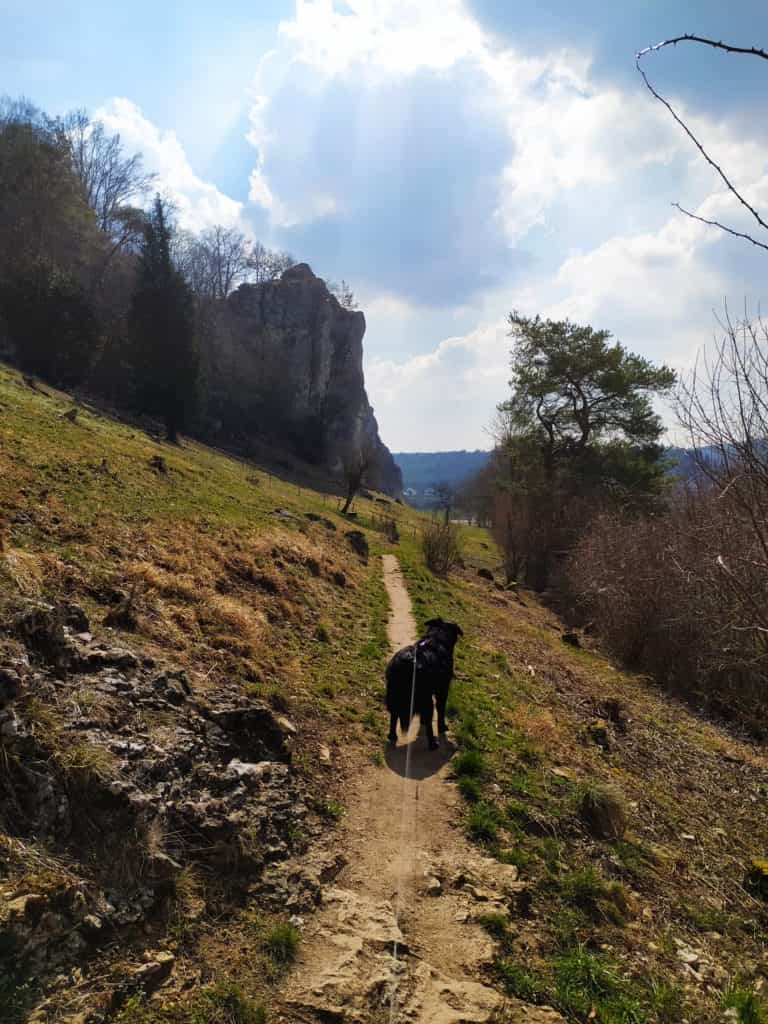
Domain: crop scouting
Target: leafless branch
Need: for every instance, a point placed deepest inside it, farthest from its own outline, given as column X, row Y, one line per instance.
column 715, row 44
column 712, row 163
column 723, row 227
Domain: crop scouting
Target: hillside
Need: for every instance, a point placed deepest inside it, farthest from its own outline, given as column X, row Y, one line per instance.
column 191, row 730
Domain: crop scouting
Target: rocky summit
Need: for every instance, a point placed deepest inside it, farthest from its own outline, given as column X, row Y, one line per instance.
column 286, row 362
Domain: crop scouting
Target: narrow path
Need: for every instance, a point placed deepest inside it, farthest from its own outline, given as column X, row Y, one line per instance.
column 411, row 884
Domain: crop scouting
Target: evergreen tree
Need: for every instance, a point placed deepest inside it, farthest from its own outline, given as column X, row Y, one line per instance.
column 164, row 347
column 578, row 433
column 51, row 322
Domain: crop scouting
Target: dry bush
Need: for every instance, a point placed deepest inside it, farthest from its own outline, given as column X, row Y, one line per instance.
column 667, row 600
column 441, row 546
column 682, row 594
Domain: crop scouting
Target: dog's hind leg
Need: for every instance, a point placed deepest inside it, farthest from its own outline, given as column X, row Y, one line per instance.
column 392, row 736
column 427, row 722
column 442, row 726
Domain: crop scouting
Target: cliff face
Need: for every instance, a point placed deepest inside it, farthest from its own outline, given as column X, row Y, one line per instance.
column 286, row 361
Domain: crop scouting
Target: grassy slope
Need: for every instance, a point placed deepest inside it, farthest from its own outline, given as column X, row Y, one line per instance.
column 245, row 599
column 271, row 606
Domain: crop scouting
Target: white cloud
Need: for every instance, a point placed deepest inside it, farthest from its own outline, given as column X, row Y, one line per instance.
column 200, row 204
column 391, row 36
column 563, row 129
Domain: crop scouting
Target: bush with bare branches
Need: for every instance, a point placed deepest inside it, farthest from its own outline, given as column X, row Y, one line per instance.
column 441, row 546
column 682, row 594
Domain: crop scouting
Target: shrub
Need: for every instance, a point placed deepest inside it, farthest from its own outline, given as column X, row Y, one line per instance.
column 441, row 546
column 604, row 810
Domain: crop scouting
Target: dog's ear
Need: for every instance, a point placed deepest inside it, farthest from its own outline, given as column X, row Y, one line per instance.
column 434, row 622
column 459, row 630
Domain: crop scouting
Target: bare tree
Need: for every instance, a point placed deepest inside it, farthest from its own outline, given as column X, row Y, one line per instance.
column 110, row 179
column 343, row 293
column 227, row 259
column 446, row 496
column 356, row 463
column 727, row 48
column 723, row 407
column 212, row 263
column 266, row 264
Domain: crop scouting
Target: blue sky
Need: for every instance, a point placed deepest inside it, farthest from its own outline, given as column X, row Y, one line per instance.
column 451, row 159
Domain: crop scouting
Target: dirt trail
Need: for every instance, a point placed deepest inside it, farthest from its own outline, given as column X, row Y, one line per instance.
column 411, row 885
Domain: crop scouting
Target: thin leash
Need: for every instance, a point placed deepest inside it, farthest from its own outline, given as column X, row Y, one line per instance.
column 399, row 896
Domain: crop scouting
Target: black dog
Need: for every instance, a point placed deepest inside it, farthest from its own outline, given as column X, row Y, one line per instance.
column 434, row 671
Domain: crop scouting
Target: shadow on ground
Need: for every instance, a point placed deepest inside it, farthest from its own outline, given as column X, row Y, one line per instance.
column 423, row 762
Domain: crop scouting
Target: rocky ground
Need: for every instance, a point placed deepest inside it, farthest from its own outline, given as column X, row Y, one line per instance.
column 120, row 774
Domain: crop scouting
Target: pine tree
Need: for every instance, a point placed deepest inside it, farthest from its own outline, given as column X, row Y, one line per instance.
column 164, row 347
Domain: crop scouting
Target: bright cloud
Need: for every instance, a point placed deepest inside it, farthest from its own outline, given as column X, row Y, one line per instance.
column 390, row 36
column 199, row 203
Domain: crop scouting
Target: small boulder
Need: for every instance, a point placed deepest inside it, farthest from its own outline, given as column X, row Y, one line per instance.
column 41, row 627
column 757, row 877
column 359, row 544
column 10, row 684
column 433, row 886
column 599, row 733
column 147, row 978
column 615, row 712
column 604, row 811
column 75, row 618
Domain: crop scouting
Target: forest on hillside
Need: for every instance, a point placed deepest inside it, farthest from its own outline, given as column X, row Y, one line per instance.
column 101, row 290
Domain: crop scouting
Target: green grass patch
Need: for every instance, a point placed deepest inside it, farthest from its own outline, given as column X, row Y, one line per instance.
column 589, row 987
column 633, row 857
column 497, row 925
column 482, row 822
column 281, row 943
column 749, row 1005
column 329, row 808
column 469, row 763
column 222, row 1003
column 470, row 789
column 667, row 1001
column 708, row 919
column 519, row 982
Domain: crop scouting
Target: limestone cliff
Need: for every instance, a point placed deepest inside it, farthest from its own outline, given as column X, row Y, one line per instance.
column 285, row 361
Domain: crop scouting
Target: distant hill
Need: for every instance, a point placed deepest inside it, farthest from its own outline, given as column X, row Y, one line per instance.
column 422, row 470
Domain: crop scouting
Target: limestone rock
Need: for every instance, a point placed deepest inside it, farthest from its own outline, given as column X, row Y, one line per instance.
column 286, row 363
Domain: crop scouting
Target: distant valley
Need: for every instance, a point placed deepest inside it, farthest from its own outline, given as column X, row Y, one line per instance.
column 422, row 471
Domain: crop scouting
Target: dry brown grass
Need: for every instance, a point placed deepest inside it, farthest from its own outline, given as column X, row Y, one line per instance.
column 537, row 723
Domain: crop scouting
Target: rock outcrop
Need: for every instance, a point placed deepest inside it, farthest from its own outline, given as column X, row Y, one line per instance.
column 285, row 362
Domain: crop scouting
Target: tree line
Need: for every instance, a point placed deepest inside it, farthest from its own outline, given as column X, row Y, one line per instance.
column 99, row 288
